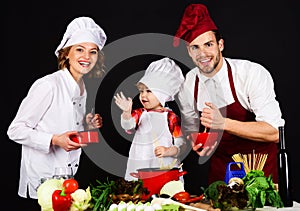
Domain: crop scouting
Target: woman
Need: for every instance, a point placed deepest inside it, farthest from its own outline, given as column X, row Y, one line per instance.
column 55, row 108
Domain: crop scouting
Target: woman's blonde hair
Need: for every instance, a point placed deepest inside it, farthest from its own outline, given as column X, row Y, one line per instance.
column 97, row 72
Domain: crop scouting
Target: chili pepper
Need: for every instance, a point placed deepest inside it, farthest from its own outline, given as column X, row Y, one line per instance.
column 184, row 197
column 61, row 201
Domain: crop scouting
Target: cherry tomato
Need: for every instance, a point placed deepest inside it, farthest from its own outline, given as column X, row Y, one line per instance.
column 70, row 185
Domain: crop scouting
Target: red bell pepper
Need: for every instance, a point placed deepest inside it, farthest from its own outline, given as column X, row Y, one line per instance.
column 61, row 201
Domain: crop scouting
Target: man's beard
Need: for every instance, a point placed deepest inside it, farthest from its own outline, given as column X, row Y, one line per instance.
column 208, row 69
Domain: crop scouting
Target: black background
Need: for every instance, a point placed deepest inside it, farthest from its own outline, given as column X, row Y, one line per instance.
column 263, row 31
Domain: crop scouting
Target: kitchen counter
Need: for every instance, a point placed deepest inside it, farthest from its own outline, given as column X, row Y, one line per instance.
column 296, row 206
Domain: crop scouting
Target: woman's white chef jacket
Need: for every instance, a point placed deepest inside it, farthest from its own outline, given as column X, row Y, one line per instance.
column 53, row 106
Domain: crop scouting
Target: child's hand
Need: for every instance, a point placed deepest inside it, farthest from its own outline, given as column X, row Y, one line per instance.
column 161, row 151
column 125, row 104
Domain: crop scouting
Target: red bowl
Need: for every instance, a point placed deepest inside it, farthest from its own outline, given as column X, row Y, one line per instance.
column 155, row 178
column 206, row 139
column 86, row 137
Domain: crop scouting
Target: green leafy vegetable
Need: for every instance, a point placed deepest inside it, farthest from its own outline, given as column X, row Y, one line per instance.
column 105, row 193
column 261, row 190
column 257, row 191
column 100, row 194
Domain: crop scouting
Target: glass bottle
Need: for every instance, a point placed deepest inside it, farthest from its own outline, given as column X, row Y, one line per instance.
column 284, row 183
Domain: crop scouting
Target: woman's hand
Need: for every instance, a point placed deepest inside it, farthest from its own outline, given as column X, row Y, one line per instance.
column 64, row 141
column 93, row 121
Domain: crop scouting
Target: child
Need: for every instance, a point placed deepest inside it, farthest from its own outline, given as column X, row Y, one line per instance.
column 158, row 140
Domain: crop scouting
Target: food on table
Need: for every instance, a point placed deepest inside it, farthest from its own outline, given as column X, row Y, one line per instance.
column 44, row 193
column 81, row 199
column 130, row 206
column 185, row 198
column 60, row 194
column 172, row 187
column 254, row 191
column 252, row 161
column 70, row 185
column 258, row 185
column 61, row 201
column 182, row 196
column 115, row 191
column 224, row 197
column 172, row 205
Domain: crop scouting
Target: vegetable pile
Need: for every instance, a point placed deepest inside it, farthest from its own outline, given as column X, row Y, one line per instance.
column 254, row 190
column 63, row 195
column 115, row 191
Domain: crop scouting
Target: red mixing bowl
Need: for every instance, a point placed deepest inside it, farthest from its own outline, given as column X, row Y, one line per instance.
column 86, row 137
column 205, row 138
column 155, row 178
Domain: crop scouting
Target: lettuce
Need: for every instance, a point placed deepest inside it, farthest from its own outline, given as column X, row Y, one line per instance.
column 44, row 193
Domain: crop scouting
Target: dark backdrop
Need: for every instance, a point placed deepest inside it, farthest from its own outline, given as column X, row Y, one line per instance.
column 263, row 31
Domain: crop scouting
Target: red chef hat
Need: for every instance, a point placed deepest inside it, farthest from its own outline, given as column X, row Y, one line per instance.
column 195, row 21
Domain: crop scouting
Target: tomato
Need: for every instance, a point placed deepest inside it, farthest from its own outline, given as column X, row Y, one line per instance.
column 70, row 185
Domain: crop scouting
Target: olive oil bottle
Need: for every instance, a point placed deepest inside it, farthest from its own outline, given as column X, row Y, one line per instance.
column 284, row 183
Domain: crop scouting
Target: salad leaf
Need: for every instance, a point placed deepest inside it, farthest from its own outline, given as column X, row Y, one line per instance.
column 261, row 190
column 44, row 193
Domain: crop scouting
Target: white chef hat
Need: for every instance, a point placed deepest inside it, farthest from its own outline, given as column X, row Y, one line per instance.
column 164, row 78
column 82, row 29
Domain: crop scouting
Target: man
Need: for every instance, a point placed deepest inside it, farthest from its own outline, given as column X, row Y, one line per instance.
column 231, row 96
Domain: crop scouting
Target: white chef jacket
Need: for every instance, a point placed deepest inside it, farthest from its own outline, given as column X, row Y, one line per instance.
column 254, row 88
column 53, row 106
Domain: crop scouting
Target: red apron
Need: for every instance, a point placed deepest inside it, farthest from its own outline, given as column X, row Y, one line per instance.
column 231, row 144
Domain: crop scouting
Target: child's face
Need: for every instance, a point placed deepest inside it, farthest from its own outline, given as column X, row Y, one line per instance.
column 147, row 98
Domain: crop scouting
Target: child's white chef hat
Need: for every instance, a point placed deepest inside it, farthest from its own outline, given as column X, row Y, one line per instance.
column 164, row 78
column 82, row 29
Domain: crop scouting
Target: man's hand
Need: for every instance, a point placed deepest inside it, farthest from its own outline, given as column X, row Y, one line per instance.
column 211, row 117
column 206, row 151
